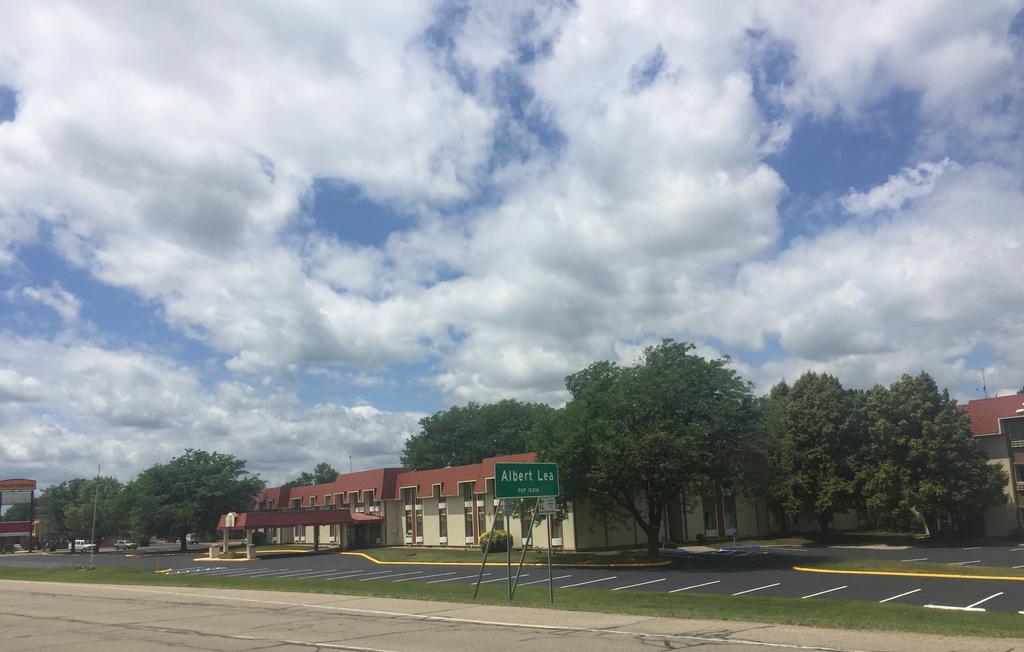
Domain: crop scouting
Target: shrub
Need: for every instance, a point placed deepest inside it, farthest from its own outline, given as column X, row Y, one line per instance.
column 500, row 542
column 143, row 541
column 259, row 538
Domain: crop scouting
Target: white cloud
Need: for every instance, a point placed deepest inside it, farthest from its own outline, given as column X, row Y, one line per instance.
column 185, row 156
column 66, row 407
column 56, row 297
column 909, row 184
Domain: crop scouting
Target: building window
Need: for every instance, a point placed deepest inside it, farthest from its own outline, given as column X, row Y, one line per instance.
column 407, row 515
column 468, row 516
column 296, row 503
column 419, row 520
column 481, row 515
column 556, row 530
column 525, row 525
column 442, row 519
column 312, row 502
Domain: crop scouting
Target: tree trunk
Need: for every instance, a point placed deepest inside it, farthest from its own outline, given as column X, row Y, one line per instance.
column 184, row 545
column 653, row 546
column 823, row 522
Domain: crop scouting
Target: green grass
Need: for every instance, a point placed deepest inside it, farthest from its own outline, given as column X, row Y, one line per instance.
column 915, row 567
column 474, row 555
column 815, row 613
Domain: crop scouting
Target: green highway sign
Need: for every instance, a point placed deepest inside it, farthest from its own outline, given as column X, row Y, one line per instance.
column 525, row 480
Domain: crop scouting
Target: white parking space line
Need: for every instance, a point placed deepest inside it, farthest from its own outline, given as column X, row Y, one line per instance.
column 1016, row 549
column 375, row 575
column 898, row 596
column 964, row 563
column 766, row 586
column 695, row 586
column 560, row 577
column 277, row 573
column 600, row 579
column 915, row 559
column 406, row 579
column 452, row 579
column 499, row 579
column 633, row 586
column 949, row 608
column 295, row 573
column 370, row 579
column 1021, row 566
column 983, row 601
column 347, row 574
column 814, row 595
column 318, row 574
column 973, row 548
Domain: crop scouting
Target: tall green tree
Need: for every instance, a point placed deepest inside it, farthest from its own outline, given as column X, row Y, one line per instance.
column 67, row 508
column 820, row 441
column 633, row 438
column 190, row 493
column 323, row 473
column 466, row 435
column 925, row 463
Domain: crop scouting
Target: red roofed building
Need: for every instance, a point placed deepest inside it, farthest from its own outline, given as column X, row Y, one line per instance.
column 998, row 427
column 394, row 506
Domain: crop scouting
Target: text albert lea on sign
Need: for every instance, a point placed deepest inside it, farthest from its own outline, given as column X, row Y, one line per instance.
column 525, row 480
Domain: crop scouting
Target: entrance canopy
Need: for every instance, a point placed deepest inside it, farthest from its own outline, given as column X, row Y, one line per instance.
column 294, row 518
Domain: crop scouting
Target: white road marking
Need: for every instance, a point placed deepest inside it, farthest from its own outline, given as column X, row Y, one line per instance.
column 1016, row 549
column 898, row 596
column 499, row 579
column 560, row 577
column 1021, row 566
column 983, row 601
column 600, row 579
column 695, row 586
column 949, row 608
column 915, row 559
column 973, row 548
column 474, row 621
column 963, row 563
column 374, row 575
column 633, row 586
column 369, row 579
column 278, row 573
column 348, row 574
column 406, row 579
column 461, row 577
column 766, row 586
column 814, row 595
column 295, row 573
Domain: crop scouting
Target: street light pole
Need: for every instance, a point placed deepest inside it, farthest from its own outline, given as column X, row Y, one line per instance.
column 95, row 502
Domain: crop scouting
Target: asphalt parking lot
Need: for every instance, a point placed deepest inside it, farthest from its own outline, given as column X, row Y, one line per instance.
column 767, row 572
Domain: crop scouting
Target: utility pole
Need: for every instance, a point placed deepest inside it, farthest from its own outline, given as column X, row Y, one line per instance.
column 95, row 502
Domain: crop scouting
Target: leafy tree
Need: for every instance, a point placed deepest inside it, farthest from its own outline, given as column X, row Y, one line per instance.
column 633, row 438
column 466, row 435
column 925, row 462
column 190, row 493
column 67, row 508
column 820, row 440
column 322, row 474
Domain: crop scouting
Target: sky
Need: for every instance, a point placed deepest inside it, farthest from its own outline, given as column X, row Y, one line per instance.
column 288, row 231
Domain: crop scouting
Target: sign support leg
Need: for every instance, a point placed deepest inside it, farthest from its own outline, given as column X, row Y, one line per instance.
column 526, row 546
column 483, row 564
column 508, row 545
column 551, row 583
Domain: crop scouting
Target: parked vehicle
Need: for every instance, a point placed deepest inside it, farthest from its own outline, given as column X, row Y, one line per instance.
column 125, row 544
column 81, row 545
column 192, row 539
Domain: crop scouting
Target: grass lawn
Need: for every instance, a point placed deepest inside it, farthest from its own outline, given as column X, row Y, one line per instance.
column 474, row 555
column 915, row 567
column 817, row 613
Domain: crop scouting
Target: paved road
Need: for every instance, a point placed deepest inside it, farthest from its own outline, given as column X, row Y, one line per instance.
column 53, row 616
column 767, row 572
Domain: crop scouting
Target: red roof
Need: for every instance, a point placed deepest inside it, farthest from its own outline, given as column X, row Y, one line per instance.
column 986, row 412
column 386, row 482
column 450, row 477
column 380, row 481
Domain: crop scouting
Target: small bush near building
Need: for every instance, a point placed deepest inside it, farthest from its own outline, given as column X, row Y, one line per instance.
column 259, row 538
column 499, row 543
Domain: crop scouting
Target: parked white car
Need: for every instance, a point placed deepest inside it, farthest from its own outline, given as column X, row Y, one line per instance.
column 191, row 539
column 81, row 545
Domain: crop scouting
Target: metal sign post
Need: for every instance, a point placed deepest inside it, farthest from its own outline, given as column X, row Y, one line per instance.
column 506, row 503
column 551, row 582
column 483, row 564
column 526, row 546
column 528, row 480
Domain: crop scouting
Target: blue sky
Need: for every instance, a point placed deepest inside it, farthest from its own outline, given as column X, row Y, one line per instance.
column 299, row 256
